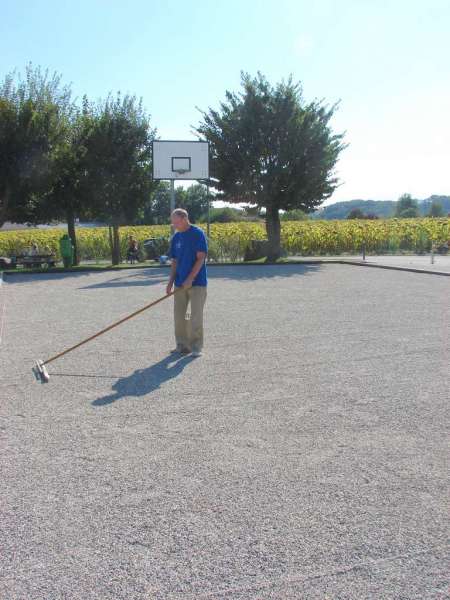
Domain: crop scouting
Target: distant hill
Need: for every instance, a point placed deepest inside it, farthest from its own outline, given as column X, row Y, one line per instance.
column 340, row 210
column 382, row 208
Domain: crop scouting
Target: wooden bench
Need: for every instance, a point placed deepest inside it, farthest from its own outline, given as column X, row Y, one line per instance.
column 35, row 262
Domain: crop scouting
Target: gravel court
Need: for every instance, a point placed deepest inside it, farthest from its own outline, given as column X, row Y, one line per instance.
column 305, row 455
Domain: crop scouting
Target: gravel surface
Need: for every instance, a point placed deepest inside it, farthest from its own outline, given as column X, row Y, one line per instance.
column 305, row 455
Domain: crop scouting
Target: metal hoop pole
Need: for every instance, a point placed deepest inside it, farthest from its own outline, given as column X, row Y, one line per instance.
column 172, row 200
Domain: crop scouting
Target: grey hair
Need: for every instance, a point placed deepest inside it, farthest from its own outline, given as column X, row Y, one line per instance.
column 180, row 212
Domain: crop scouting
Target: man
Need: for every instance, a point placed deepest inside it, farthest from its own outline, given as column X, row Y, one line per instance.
column 188, row 250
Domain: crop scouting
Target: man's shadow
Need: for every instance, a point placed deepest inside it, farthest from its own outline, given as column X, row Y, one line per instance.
column 146, row 381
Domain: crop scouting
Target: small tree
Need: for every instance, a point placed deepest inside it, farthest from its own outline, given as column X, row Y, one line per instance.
column 195, row 201
column 436, row 209
column 271, row 149
column 156, row 210
column 356, row 213
column 226, row 214
column 407, row 207
column 157, row 207
column 294, row 215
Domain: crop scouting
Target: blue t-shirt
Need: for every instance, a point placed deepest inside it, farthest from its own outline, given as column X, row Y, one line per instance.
column 184, row 247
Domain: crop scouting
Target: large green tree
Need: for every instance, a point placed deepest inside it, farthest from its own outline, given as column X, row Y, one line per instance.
column 271, row 149
column 118, row 162
column 35, row 114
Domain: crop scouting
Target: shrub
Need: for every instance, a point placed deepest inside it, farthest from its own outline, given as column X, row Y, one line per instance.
column 223, row 215
column 229, row 241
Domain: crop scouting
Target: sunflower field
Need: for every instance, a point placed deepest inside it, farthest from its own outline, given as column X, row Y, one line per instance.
column 229, row 241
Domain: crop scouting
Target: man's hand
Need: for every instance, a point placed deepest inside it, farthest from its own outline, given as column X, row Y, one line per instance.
column 188, row 283
column 169, row 287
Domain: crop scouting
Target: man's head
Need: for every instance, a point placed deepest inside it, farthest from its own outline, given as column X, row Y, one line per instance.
column 180, row 219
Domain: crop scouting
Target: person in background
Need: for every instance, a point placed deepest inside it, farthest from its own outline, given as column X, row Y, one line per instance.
column 133, row 249
column 34, row 250
column 188, row 250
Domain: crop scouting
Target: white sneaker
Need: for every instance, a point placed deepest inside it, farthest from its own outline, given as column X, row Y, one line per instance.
column 196, row 353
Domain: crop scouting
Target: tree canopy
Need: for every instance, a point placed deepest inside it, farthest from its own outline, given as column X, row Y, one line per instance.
column 35, row 113
column 271, row 149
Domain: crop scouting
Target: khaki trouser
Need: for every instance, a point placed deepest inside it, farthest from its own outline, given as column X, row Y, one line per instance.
column 189, row 332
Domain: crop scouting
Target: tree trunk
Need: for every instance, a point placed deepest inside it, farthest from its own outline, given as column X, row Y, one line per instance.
column 273, row 228
column 72, row 234
column 116, row 245
column 111, row 243
column 4, row 205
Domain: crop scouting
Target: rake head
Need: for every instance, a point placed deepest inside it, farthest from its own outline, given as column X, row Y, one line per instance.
column 40, row 372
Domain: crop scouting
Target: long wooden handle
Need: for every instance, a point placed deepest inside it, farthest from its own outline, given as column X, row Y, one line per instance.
column 136, row 312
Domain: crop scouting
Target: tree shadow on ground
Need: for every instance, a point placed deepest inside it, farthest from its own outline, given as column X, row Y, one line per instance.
column 248, row 272
column 27, row 278
column 128, row 272
column 145, row 381
column 146, row 278
column 233, row 272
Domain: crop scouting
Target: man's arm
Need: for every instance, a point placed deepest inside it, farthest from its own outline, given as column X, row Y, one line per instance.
column 201, row 256
column 173, row 270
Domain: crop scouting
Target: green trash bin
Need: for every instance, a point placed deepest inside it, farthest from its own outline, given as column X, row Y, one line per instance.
column 66, row 249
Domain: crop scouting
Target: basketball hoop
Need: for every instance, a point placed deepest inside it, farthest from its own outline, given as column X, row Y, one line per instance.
column 180, row 160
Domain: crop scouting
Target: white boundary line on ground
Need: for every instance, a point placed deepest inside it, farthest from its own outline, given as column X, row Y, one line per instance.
column 393, row 267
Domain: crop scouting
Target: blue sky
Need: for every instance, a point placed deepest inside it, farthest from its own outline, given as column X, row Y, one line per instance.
column 387, row 61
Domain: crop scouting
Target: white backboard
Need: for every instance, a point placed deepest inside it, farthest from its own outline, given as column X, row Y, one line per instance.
column 192, row 158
